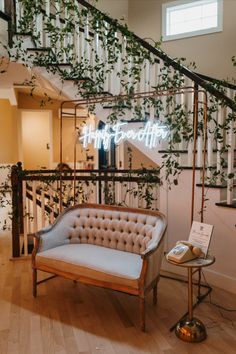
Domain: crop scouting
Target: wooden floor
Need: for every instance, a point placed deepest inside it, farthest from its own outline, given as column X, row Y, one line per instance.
column 74, row 318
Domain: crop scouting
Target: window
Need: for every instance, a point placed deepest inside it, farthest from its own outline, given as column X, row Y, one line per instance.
column 189, row 18
column 2, row 5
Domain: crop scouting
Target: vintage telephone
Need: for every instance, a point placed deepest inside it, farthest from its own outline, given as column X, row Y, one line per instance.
column 184, row 251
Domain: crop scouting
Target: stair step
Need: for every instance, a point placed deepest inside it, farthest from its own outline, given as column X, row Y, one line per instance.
column 77, row 79
column 211, row 185
column 100, row 93
column 60, row 64
column 23, row 34
column 42, row 49
column 225, row 205
column 134, row 120
column 115, row 106
column 185, row 151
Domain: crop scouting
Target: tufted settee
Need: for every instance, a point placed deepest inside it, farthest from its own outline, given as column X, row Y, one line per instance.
column 108, row 246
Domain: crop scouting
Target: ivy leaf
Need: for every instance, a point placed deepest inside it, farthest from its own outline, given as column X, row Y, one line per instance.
column 230, row 175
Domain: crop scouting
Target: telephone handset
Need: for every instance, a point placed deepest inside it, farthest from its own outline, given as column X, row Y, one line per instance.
column 184, row 251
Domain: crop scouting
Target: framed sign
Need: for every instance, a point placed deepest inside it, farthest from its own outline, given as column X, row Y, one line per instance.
column 200, row 235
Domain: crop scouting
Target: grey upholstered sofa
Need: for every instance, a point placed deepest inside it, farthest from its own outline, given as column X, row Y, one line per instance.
column 113, row 247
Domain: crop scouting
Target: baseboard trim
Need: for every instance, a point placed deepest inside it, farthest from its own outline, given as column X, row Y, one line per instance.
column 213, row 278
column 219, row 280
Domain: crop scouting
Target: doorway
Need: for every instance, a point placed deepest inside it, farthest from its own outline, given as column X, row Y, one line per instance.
column 106, row 159
column 36, row 139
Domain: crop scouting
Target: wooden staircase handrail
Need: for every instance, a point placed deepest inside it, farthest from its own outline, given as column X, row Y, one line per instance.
column 217, row 81
column 167, row 59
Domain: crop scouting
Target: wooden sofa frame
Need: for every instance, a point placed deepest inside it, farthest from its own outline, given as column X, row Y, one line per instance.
column 140, row 292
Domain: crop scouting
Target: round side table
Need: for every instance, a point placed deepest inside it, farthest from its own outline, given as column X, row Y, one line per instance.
column 189, row 328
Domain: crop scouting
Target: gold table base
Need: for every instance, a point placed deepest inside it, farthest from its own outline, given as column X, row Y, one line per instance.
column 191, row 330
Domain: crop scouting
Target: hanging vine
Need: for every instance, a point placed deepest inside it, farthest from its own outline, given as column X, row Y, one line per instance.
column 122, row 55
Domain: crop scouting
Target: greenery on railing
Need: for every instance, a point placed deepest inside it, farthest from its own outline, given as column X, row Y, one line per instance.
column 122, row 187
column 62, row 25
column 5, row 197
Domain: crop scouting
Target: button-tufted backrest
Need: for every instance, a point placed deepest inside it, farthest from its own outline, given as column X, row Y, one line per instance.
column 121, row 230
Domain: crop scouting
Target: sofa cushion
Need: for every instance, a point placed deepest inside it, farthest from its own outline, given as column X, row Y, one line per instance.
column 117, row 229
column 96, row 262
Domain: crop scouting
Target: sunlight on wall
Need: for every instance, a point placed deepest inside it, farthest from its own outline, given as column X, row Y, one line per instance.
column 8, row 132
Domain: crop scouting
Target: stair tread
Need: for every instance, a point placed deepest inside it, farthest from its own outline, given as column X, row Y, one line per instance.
column 184, row 151
column 60, row 64
column 77, row 78
column 43, row 49
column 211, row 185
column 134, row 120
column 105, row 93
column 115, row 106
column 226, row 205
column 22, row 34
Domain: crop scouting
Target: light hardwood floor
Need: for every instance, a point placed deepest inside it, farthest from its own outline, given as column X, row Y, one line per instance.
column 74, row 318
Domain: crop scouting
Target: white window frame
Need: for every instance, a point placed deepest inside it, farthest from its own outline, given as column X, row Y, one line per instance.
column 2, row 5
column 166, row 37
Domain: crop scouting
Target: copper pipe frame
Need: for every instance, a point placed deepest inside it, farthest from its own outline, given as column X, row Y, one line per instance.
column 74, row 181
column 135, row 96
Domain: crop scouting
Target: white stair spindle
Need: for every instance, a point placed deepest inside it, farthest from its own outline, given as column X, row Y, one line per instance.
column 66, row 41
column 76, row 35
column 220, row 120
column 48, row 14
column 199, row 151
column 86, row 42
column 51, row 205
column 123, row 56
column 106, row 65
column 189, row 99
column 29, row 214
column 25, row 218
column 115, row 78
column 19, row 14
column 39, row 28
column 230, row 158
column 210, row 144
column 147, row 75
column 58, row 23
column 35, row 215
column 82, row 48
column 43, row 207
column 190, row 154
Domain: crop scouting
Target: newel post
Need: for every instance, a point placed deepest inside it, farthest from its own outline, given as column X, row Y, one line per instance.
column 16, row 208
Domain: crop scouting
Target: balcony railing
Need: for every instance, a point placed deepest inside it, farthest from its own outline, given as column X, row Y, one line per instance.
column 36, row 195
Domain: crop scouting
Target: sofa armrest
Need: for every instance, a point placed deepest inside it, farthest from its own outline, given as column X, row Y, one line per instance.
column 57, row 234
column 157, row 237
column 154, row 258
column 154, row 253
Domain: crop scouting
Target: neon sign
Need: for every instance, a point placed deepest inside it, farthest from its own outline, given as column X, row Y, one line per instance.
column 150, row 134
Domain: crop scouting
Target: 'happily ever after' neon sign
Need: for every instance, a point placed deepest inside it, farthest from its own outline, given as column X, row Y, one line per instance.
column 150, row 134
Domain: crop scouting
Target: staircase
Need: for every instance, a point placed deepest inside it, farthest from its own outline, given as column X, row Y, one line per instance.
column 84, row 53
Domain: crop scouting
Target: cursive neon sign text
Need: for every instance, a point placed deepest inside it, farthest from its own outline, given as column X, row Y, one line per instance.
column 150, row 134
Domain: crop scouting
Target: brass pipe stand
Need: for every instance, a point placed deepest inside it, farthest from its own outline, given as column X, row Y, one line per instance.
column 190, row 329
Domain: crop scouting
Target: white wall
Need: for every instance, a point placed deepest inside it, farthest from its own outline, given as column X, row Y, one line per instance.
column 115, row 8
column 176, row 204
column 212, row 52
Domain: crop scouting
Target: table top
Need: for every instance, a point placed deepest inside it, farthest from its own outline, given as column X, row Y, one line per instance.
column 195, row 263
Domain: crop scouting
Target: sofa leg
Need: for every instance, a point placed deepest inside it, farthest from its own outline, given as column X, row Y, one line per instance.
column 142, row 312
column 155, row 294
column 34, row 282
